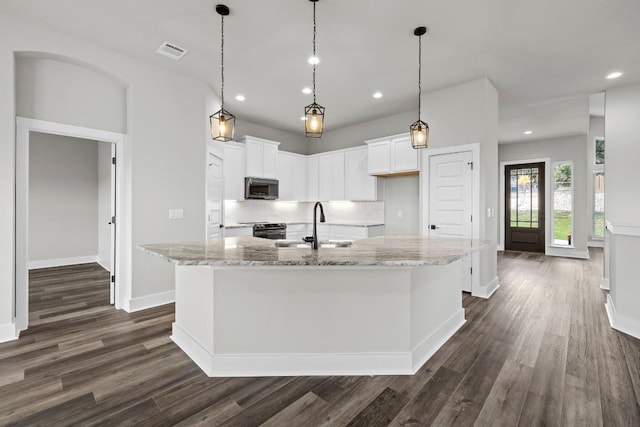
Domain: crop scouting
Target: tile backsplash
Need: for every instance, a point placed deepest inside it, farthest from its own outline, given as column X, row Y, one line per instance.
column 273, row 211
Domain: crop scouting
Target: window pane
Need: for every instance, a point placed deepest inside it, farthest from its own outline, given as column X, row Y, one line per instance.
column 599, row 155
column 598, row 205
column 562, row 203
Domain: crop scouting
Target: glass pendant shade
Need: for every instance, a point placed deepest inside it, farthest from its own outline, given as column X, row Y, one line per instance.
column 314, row 120
column 223, row 125
column 419, row 134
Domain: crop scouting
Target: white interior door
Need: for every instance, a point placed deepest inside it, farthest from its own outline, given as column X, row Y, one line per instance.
column 112, row 198
column 451, row 202
column 214, row 197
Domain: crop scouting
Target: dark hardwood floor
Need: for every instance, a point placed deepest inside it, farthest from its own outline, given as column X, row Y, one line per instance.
column 539, row 352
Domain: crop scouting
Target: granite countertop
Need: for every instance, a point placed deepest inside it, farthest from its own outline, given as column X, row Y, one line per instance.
column 381, row 251
column 352, row 224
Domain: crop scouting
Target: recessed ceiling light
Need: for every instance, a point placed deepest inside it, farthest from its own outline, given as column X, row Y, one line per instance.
column 306, row 90
column 377, row 95
column 240, row 98
column 614, row 75
column 313, row 60
column 528, row 132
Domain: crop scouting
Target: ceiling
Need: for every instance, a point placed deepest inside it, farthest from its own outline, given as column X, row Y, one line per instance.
column 544, row 57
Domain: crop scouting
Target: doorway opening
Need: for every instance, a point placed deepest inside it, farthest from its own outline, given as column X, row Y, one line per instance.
column 28, row 131
column 524, row 195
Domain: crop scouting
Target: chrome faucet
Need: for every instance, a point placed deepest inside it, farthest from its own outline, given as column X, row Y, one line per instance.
column 313, row 239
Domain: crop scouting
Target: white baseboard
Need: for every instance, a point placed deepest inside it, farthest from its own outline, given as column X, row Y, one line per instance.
column 8, row 332
column 500, row 248
column 59, row 262
column 149, row 301
column 312, row 364
column 427, row 348
column 604, row 283
column 566, row 252
column 620, row 322
column 104, row 263
column 486, row 290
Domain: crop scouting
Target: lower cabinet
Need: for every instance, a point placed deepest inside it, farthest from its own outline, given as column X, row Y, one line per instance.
column 352, row 232
column 238, row 231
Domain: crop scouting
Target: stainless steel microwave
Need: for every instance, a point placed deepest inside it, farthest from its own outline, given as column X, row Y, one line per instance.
column 260, row 188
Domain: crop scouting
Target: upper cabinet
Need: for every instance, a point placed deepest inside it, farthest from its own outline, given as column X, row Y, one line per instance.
column 359, row 185
column 392, row 155
column 292, row 174
column 261, row 157
column 331, row 183
column 233, row 171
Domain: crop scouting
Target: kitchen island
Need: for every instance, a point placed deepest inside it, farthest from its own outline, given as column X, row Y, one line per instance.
column 384, row 305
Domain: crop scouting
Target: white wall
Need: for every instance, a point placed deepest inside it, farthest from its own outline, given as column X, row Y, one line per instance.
column 468, row 114
column 402, row 205
column 63, row 197
column 167, row 128
column 104, row 204
column 289, row 141
column 569, row 148
column 622, row 203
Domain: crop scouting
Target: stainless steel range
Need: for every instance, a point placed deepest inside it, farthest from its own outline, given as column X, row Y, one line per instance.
column 272, row 231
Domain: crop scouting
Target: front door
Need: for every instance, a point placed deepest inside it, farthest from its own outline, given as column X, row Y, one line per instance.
column 451, row 201
column 524, row 207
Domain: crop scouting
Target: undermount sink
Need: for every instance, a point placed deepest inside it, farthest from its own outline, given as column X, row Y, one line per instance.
column 323, row 244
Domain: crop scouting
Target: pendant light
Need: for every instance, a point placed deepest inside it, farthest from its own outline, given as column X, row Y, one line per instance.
column 222, row 122
column 314, row 113
column 419, row 130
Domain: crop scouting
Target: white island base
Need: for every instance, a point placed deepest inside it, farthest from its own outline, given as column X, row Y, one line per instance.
column 315, row 320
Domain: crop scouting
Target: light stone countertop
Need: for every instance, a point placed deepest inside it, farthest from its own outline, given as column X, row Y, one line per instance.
column 351, row 224
column 375, row 251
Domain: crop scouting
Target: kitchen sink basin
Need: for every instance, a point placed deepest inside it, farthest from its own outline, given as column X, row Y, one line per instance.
column 323, row 244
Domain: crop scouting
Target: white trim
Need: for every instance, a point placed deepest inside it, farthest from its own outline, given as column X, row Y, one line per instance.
column 428, row 347
column 547, row 196
column 623, row 229
column 123, row 207
column 58, row 262
column 149, row 301
column 604, row 283
column 8, row 332
column 620, row 322
column 595, row 244
column 487, row 289
column 567, row 252
column 308, row 364
column 475, row 173
column 103, row 263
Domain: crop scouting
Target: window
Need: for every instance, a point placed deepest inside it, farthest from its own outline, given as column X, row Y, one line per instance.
column 598, row 205
column 563, row 203
column 599, row 151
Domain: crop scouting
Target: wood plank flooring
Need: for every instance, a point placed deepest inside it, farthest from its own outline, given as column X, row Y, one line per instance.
column 539, row 352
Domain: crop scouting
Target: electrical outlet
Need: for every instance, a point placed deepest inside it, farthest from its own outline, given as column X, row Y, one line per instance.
column 176, row 214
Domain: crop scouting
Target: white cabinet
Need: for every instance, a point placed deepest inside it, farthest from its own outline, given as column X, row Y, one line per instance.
column 261, row 157
column 233, row 171
column 238, row 231
column 331, row 176
column 292, row 174
column 392, row 155
column 297, row 231
column 313, row 192
column 359, row 185
column 353, row 232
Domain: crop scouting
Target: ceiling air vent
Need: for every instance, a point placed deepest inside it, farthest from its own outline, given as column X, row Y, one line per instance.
column 171, row 50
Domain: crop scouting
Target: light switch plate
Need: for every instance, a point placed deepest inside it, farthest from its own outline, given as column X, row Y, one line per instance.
column 176, row 214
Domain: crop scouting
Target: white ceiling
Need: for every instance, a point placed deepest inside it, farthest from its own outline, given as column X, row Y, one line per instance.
column 544, row 57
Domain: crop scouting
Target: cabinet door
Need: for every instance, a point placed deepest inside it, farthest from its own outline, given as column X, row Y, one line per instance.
column 298, row 174
column 379, row 161
column 254, row 158
column 404, row 157
column 331, row 176
column 313, row 188
column 359, row 185
column 233, row 172
column 270, row 160
column 285, row 177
